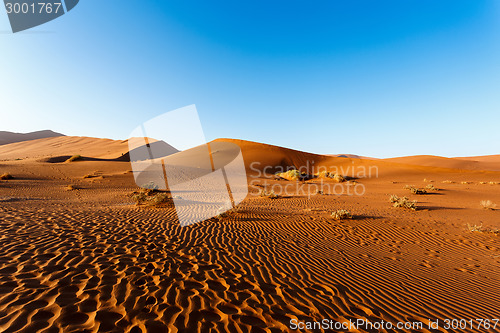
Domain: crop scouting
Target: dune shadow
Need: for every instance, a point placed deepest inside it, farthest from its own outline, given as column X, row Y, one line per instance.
column 434, row 208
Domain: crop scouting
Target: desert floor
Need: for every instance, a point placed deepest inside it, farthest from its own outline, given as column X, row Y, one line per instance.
column 90, row 260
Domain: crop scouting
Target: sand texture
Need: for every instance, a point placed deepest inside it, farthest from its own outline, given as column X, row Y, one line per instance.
column 87, row 259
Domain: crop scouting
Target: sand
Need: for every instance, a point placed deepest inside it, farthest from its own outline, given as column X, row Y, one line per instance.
column 90, row 260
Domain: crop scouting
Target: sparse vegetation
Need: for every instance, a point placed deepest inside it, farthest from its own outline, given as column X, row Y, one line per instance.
column 271, row 194
column 494, row 183
column 339, row 178
column 6, row 176
column 448, row 182
column 90, row 175
column 431, row 187
column 71, row 187
column 74, row 158
column 403, row 202
column 488, row 204
column 465, row 183
column 150, row 186
column 150, row 197
column 480, row 228
column 415, row 190
column 290, row 175
column 428, row 180
column 320, row 192
column 341, row 214
column 325, row 174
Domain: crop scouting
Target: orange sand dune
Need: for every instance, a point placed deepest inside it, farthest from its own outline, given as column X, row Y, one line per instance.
column 87, row 259
column 65, row 146
column 473, row 163
column 487, row 158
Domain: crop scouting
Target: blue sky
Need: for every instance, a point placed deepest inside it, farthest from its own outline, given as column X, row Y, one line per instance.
column 377, row 78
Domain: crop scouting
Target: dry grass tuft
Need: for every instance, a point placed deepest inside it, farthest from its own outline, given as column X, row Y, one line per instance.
column 6, row 176
column 487, row 204
column 71, row 188
column 415, row 190
column 403, row 202
column 341, row 214
column 151, row 197
column 270, row 194
column 74, row 158
column 480, row 228
column 431, row 187
column 290, row 175
column 338, row 178
column 448, row 182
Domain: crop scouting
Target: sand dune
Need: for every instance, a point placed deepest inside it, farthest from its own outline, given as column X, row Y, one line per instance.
column 65, row 146
column 90, row 260
column 489, row 163
column 11, row 137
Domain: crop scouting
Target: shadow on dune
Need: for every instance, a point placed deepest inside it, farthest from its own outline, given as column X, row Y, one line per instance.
column 64, row 158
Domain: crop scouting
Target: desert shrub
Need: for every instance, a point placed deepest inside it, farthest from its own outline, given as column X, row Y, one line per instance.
column 480, row 228
column 341, row 214
column 488, row 204
column 290, row 175
column 325, row 174
column 428, row 180
column 159, row 198
column 339, row 178
column 448, row 182
column 270, row 194
column 150, row 197
column 415, row 190
column 71, row 187
column 482, row 183
column 6, row 176
column 90, row 175
column 150, row 186
column 465, row 183
column 320, row 192
column 431, row 187
column 74, row 158
column 403, row 202
column 494, row 183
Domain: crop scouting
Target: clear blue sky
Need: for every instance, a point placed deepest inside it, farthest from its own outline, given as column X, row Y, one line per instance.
column 377, row 78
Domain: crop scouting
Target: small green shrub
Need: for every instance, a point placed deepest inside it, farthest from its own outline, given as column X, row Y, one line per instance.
column 341, row 214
